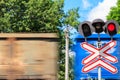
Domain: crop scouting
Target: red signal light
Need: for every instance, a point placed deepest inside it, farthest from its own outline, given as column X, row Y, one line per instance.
column 111, row 27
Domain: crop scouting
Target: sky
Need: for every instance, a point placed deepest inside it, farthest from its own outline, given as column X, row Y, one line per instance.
column 90, row 9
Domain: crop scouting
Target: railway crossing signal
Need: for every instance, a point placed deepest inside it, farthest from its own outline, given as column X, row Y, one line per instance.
column 98, row 25
column 93, row 60
column 110, row 27
column 100, row 63
column 85, row 29
column 99, row 55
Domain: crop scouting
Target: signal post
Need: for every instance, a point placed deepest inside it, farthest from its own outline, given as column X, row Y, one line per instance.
column 86, row 29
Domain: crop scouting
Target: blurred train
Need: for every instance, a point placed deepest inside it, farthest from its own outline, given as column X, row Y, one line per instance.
column 28, row 56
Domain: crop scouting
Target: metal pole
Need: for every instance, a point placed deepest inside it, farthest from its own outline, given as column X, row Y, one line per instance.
column 85, row 39
column 99, row 46
column 99, row 73
column 67, row 55
column 111, row 37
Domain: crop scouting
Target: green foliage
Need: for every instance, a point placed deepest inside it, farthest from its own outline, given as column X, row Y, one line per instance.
column 71, row 17
column 61, row 62
column 114, row 14
column 30, row 15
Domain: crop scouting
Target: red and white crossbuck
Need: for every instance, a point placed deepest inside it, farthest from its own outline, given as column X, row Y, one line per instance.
column 98, row 57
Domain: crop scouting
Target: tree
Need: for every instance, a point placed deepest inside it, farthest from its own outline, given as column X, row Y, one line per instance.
column 114, row 13
column 30, row 15
column 71, row 18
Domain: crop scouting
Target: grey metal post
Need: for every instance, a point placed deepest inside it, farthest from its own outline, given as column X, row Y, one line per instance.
column 99, row 46
column 67, row 54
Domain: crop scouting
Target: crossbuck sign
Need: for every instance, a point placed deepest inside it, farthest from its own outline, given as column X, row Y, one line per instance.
column 99, row 57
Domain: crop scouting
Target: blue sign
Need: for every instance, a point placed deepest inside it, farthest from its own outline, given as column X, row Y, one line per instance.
column 80, row 54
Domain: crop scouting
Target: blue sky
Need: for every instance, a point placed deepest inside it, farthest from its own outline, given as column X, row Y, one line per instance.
column 90, row 9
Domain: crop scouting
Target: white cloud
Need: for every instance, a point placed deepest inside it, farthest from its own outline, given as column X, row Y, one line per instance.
column 102, row 10
column 86, row 4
